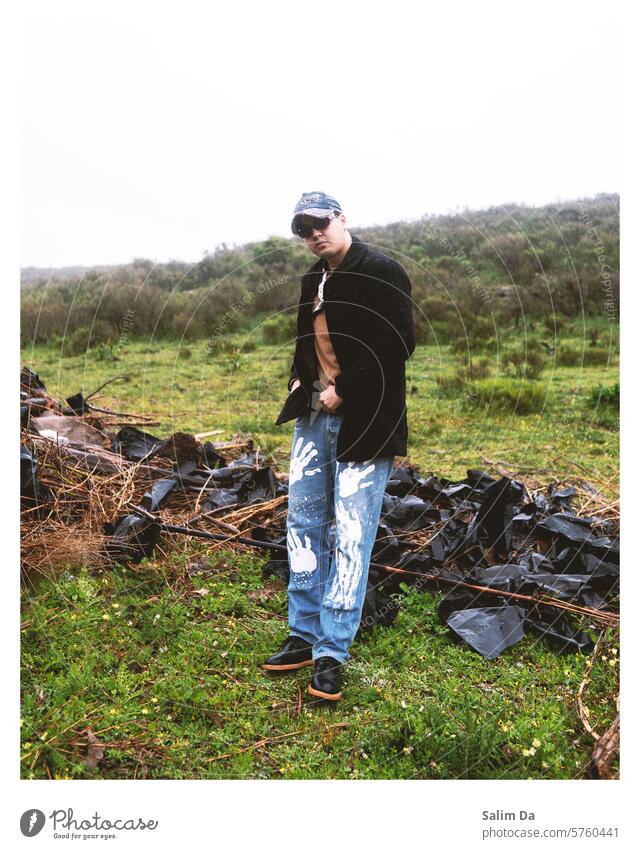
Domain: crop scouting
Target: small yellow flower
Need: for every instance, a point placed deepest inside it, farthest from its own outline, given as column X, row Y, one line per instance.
column 44, row 735
column 106, row 616
column 154, row 700
column 144, row 710
column 113, row 712
column 536, row 743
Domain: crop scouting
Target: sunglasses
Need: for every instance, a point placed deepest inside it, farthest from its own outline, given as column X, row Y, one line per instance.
column 305, row 227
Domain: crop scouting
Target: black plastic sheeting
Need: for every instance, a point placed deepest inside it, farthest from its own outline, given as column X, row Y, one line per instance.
column 485, row 531
column 32, row 492
column 134, row 537
column 78, row 405
column 488, row 630
column 542, row 547
column 135, row 444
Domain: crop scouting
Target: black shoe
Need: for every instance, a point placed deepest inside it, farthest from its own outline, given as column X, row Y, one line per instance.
column 294, row 654
column 326, row 679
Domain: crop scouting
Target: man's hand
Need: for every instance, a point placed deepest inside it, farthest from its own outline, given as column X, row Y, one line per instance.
column 294, row 385
column 329, row 399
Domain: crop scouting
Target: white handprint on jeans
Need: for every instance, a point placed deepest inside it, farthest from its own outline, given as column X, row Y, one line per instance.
column 349, row 565
column 349, row 480
column 301, row 557
column 301, row 458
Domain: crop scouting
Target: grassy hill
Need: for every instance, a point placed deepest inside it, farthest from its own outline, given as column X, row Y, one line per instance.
column 159, row 672
column 482, row 268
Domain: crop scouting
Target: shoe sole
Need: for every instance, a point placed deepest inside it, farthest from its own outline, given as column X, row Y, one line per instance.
column 332, row 697
column 286, row 667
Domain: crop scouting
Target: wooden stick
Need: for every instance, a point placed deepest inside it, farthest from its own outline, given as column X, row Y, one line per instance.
column 207, row 433
column 605, row 616
column 106, row 383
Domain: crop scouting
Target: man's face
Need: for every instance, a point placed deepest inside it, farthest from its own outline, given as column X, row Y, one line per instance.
column 334, row 240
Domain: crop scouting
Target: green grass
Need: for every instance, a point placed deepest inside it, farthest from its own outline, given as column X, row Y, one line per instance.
column 242, row 388
column 164, row 669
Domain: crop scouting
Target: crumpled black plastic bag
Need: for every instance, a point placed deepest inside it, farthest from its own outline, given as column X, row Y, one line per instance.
column 492, row 523
column 78, row 405
column 507, row 576
column 488, row 630
column 571, row 529
column 402, row 481
column 32, row 492
column 409, row 513
column 256, row 486
column 581, row 562
column 561, row 498
column 152, row 499
column 557, row 628
column 134, row 537
column 220, row 498
column 386, row 548
column 448, row 539
column 250, row 485
column 212, row 458
column 134, row 444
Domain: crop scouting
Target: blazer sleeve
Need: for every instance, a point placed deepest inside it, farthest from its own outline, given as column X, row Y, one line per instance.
column 392, row 335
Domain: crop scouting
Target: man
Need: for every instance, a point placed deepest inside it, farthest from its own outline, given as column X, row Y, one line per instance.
column 347, row 396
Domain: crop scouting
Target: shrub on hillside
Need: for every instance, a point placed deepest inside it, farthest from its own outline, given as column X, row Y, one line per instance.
column 608, row 396
column 84, row 338
column 566, row 356
column 507, row 395
column 476, row 371
column 527, row 364
column 279, row 330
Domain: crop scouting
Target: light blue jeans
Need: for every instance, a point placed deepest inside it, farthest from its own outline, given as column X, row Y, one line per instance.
column 327, row 585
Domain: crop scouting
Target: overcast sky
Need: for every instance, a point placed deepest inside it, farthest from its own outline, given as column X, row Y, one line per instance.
column 162, row 131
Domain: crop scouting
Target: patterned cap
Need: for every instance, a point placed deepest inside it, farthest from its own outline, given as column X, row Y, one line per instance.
column 317, row 204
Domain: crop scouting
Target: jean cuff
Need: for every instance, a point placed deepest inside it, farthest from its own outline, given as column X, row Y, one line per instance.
column 301, row 636
column 330, row 654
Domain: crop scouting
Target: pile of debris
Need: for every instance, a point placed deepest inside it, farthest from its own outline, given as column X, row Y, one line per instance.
column 509, row 557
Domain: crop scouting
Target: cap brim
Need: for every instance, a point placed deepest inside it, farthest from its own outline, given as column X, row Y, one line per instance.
column 316, row 213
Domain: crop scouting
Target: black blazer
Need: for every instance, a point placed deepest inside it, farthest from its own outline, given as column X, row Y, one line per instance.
column 369, row 315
